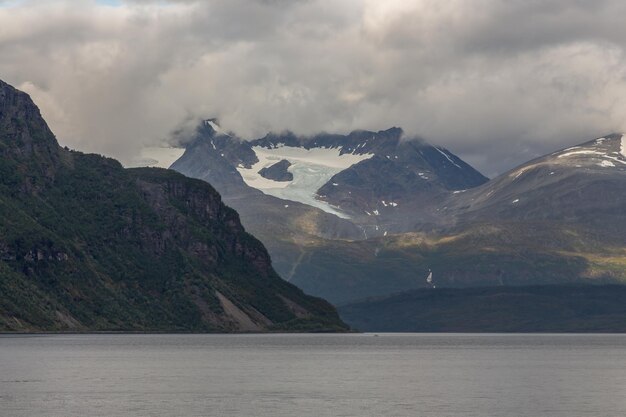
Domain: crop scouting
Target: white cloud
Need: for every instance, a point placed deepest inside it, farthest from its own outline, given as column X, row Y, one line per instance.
column 496, row 81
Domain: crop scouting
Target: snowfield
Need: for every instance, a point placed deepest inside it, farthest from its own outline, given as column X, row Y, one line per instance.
column 607, row 159
column 444, row 153
column 218, row 130
column 311, row 169
column 585, row 152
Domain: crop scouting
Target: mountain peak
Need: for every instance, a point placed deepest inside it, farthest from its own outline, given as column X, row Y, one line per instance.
column 31, row 130
column 582, row 184
column 27, row 145
column 369, row 177
column 605, row 152
column 212, row 127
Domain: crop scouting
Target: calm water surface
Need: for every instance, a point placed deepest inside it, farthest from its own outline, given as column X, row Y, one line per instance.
column 313, row 375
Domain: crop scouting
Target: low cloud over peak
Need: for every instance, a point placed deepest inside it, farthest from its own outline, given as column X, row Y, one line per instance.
column 498, row 82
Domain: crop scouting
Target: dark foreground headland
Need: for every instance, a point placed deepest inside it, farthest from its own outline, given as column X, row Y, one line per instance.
column 86, row 245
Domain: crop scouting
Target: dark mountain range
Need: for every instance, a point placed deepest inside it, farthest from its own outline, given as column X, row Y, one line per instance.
column 554, row 308
column 558, row 219
column 375, row 179
column 378, row 221
column 487, row 254
column 87, row 245
column 344, row 188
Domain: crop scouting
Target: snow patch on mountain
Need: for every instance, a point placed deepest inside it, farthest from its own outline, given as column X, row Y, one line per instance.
column 521, row 172
column 443, row 152
column 613, row 158
column 584, row 152
column 607, row 159
column 311, row 169
column 606, row 164
column 218, row 130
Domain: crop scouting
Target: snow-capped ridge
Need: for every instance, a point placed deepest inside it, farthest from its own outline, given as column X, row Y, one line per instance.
column 599, row 152
column 349, row 176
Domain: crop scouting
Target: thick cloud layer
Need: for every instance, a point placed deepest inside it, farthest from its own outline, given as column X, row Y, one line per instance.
column 496, row 81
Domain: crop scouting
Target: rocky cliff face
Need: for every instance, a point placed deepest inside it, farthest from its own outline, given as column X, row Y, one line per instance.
column 88, row 245
column 27, row 146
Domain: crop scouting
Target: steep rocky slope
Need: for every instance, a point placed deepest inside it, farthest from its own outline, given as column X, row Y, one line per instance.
column 88, row 245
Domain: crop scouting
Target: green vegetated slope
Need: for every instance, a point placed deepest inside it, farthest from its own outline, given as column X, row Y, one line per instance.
column 554, row 308
column 496, row 254
column 87, row 245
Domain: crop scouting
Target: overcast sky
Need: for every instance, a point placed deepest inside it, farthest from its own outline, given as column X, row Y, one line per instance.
column 496, row 81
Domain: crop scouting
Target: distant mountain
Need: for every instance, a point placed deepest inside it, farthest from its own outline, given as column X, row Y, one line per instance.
column 584, row 185
column 86, row 245
column 373, row 179
column 390, row 209
column 557, row 219
column 343, row 188
column 555, row 308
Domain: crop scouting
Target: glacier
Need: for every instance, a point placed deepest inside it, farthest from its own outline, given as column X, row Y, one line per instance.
column 311, row 169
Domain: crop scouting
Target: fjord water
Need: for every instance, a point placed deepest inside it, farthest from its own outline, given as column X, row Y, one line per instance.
column 313, row 375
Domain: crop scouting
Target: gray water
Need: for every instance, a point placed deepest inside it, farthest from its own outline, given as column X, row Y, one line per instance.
column 313, row 375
